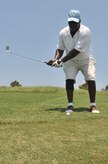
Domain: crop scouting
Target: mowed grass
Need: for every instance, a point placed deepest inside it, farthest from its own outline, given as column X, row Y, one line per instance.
column 34, row 128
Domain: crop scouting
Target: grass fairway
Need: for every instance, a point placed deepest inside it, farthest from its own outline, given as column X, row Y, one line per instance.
column 35, row 130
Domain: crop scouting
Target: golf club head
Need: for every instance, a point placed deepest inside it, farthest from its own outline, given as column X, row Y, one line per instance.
column 8, row 49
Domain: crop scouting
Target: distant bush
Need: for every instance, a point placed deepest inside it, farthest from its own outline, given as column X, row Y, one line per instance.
column 15, row 84
column 106, row 88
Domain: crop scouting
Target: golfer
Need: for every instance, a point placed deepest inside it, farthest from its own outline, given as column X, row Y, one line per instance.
column 75, row 41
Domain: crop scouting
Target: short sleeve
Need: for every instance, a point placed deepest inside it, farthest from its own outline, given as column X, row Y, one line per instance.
column 60, row 44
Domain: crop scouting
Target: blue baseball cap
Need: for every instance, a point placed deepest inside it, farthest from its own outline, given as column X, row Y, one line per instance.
column 74, row 15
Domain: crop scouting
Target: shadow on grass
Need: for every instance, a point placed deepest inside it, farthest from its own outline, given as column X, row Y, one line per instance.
column 81, row 109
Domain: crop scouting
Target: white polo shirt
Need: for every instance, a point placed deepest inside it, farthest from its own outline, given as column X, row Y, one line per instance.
column 81, row 41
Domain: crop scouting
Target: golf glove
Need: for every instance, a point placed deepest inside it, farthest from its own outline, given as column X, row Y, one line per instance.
column 58, row 63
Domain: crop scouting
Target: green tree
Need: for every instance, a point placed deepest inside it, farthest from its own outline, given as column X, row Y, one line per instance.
column 15, row 84
column 106, row 88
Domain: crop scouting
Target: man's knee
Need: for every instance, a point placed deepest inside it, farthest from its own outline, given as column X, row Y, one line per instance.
column 70, row 84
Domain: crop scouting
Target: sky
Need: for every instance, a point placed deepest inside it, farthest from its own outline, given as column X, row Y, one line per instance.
column 31, row 28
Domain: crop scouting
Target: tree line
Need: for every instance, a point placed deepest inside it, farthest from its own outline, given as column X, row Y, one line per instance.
column 84, row 86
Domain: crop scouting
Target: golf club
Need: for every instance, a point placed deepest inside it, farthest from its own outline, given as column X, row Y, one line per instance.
column 29, row 58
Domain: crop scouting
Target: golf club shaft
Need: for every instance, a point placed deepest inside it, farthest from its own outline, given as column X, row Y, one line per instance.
column 26, row 57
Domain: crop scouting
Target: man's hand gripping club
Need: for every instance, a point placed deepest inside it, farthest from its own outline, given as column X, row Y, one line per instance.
column 55, row 63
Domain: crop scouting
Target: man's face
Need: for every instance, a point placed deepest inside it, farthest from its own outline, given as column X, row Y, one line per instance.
column 74, row 26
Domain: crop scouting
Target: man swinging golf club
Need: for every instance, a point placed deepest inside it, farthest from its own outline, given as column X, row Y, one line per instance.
column 75, row 39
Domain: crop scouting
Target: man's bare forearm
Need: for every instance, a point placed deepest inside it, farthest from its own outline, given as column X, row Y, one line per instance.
column 58, row 54
column 73, row 53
